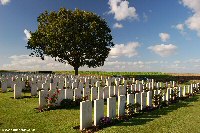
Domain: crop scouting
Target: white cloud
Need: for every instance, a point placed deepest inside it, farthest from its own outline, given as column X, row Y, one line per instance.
column 193, row 21
column 152, row 62
column 177, row 62
column 164, row 36
column 124, row 66
column 128, row 50
column 180, row 27
column 28, row 34
column 163, row 50
column 26, row 62
column 194, row 5
column 4, row 2
column 117, row 25
column 193, row 61
column 121, row 10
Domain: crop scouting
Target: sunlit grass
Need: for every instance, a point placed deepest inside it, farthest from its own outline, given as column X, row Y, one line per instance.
column 21, row 113
column 181, row 117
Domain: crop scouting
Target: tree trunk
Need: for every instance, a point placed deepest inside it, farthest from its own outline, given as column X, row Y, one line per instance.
column 76, row 71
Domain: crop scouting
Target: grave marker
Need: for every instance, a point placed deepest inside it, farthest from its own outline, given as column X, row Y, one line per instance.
column 85, row 114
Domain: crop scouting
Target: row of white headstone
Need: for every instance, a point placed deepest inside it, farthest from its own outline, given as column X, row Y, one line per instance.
column 143, row 98
column 82, row 89
column 94, row 93
column 78, row 82
column 91, row 93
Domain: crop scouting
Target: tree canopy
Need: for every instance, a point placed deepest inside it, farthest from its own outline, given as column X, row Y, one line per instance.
column 76, row 37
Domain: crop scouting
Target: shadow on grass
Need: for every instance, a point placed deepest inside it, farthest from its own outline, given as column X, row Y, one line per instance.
column 65, row 108
column 8, row 91
column 57, row 108
column 150, row 116
column 25, row 97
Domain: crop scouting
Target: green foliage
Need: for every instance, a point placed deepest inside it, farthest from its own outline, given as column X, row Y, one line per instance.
column 105, row 121
column 51, row 99
column 129, row 91
column 113, row 84
column 146, row 89
column 157, row 99
column 75, row 37
column 130, row 108
column 174, row 95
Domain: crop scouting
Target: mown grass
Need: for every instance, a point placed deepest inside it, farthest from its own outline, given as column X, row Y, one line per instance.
column 20, row 113
column 181, row 117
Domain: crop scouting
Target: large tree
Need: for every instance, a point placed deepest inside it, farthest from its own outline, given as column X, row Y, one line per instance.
column 76, row 37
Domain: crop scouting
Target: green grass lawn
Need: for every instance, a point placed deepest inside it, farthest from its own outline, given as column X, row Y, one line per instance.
column 20, row 113
column 183, row 117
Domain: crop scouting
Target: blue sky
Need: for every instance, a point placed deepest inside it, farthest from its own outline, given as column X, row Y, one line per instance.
column 149, row 35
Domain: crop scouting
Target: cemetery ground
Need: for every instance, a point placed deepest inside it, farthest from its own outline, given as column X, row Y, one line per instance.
column 183, row 117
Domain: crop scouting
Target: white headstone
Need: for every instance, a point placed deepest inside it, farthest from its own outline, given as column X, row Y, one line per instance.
column 108, row 82
column 111, row 107
column 168, row 94
column 97, row 84
column 116, row 90
column 93, row 93
column 143, row 100
column 149, row 99
column 106, row 92
column 68, row 93
column 130, row 99
column 111, row 91
column 17, row 91
column 184, row 91
column 60, row 85
column 98, row 110
column 42, row 99
column 100, row 93
column 77, row 93
column 52, row 86
column 86, row 93
column 191, row 89
column 85, row 114
column 121, row 90
column 33, row 90
column 61, row 96
column 121, row 105
column 138, row 100
column 180, row 92
column 4, row 86
column 80, row 85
